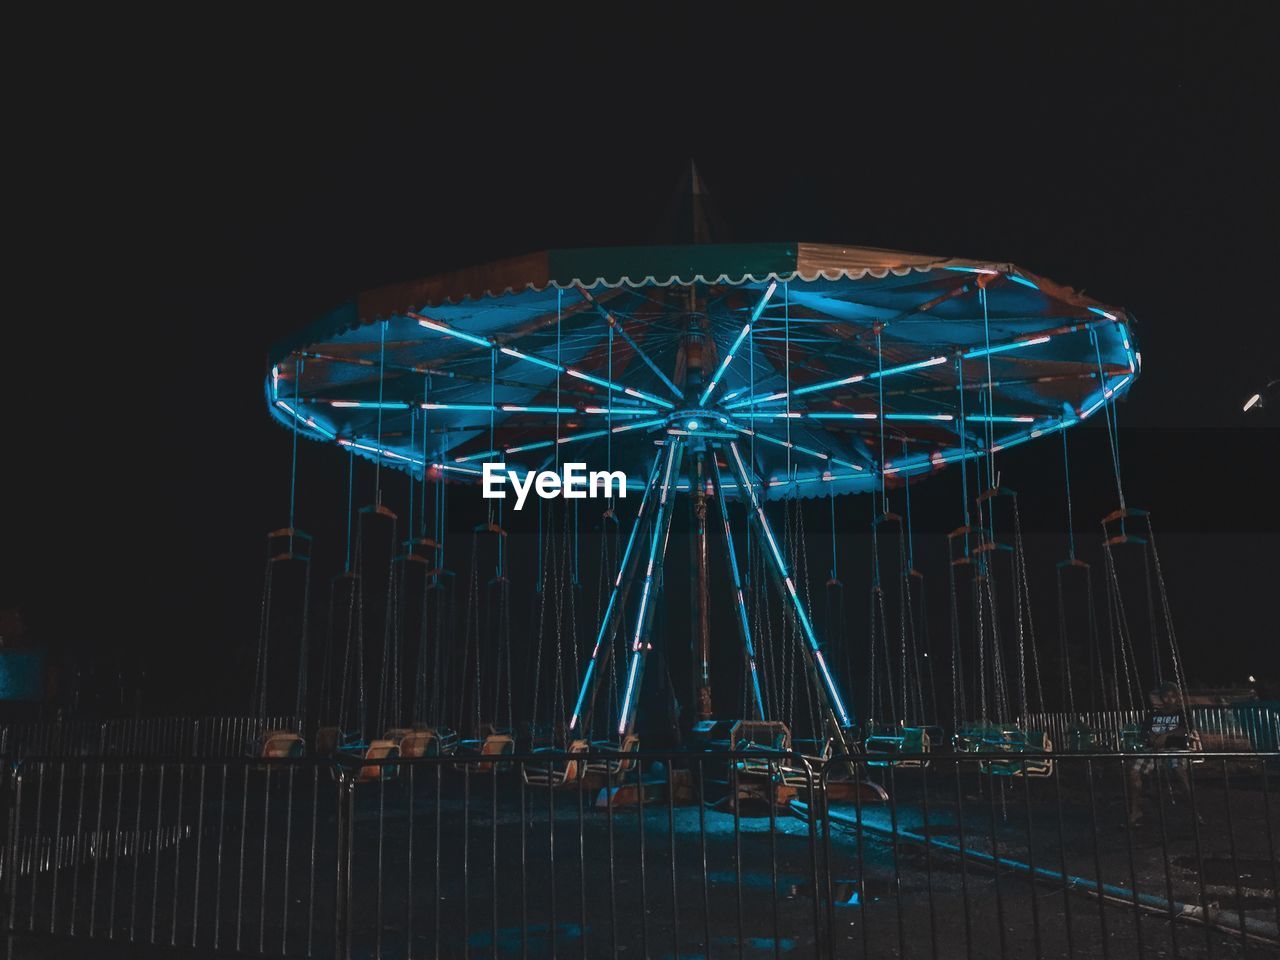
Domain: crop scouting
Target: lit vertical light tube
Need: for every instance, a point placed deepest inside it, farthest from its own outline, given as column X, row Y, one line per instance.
column 740, row 601
column 613, row 596
column 660, row 529
column 781, row 569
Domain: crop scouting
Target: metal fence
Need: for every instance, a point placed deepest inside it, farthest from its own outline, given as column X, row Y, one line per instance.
column 662, row 855
column 213, row 737
column 1248, row 727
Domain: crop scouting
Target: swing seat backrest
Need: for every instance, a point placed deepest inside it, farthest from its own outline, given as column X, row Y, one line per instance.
column 908, row 740
column 537, row 774
column 916, row 740
column 574, row 768
column 622, row 765
column 419, row 743
column 493, row 745
column 767, row 734
column 497, row 745
column 819, row 750
column 379, row 750
column 1082, row 739
column 630, row 747
column 326, row 741
column 281, row 745
column 1034, row 746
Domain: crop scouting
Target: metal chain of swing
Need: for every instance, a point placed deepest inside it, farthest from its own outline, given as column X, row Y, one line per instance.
column 262, row 663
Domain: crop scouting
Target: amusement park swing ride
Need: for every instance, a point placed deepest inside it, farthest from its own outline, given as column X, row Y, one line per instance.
column 736, row 381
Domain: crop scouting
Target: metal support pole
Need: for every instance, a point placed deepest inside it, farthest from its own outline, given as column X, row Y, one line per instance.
column 640, row 644
column 699, row 484
column 740, row 602
column 614, row 610
column 828, row 694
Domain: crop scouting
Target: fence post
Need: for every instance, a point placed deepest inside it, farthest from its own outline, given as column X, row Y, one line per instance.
column 10, row 782
column 345, row 782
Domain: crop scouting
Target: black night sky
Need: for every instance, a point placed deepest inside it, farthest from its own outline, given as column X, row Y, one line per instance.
column 179, row 209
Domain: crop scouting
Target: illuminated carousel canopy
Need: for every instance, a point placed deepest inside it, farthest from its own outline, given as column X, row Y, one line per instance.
column 826, row 363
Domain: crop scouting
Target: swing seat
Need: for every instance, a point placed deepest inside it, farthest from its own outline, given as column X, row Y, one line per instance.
column 1132, row 739
column 446, row 740
column 326, row 741
column 280, row 745
column 759, row 736
column 493, row 745
column 1119, row 517
column 413, row 743
column 537, row 775
column 614, row 768
column 1032, row 748
column 1083, row 739
column 907, row 740
column 419, row 743
column 378, row 750
column 817, row 752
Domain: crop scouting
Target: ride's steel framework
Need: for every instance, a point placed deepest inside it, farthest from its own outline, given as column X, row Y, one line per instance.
column 799, row 365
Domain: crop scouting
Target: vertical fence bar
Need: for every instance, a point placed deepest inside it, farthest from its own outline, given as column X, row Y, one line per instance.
column 1164, row 849
column 195, row 882
column 56, row 853
column 1062, row 863
column 1235, row 862
column 702, row 844
column 1097, row 862
column 266, row 835
column 1204, row 899
column 155, row 868
column 671, row 853
column 1271, row 846
column 288, row 849
column 117, row 850
column 735, row 796
column 76, row 852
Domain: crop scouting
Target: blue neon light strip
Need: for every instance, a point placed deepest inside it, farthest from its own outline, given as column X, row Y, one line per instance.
column 477, row 456
column 371, row 404
column 625, row 411
column 1002, row 347
column 642, row 425
column 449, row 331
column 780, row 442
column 380, row 451
column 801, row 616
column 590, row 378
column 530, row 358
column 308, row 421
column 831, row 384
column 724, row 365
column 743, row 623
column 728, row 357
column 624, row 713
column 613, row 596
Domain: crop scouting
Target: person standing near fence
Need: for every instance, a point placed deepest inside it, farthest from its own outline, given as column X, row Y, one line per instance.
column 1165, row 729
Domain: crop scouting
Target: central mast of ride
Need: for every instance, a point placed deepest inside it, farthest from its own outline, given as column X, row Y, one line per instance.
column 695, row 348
